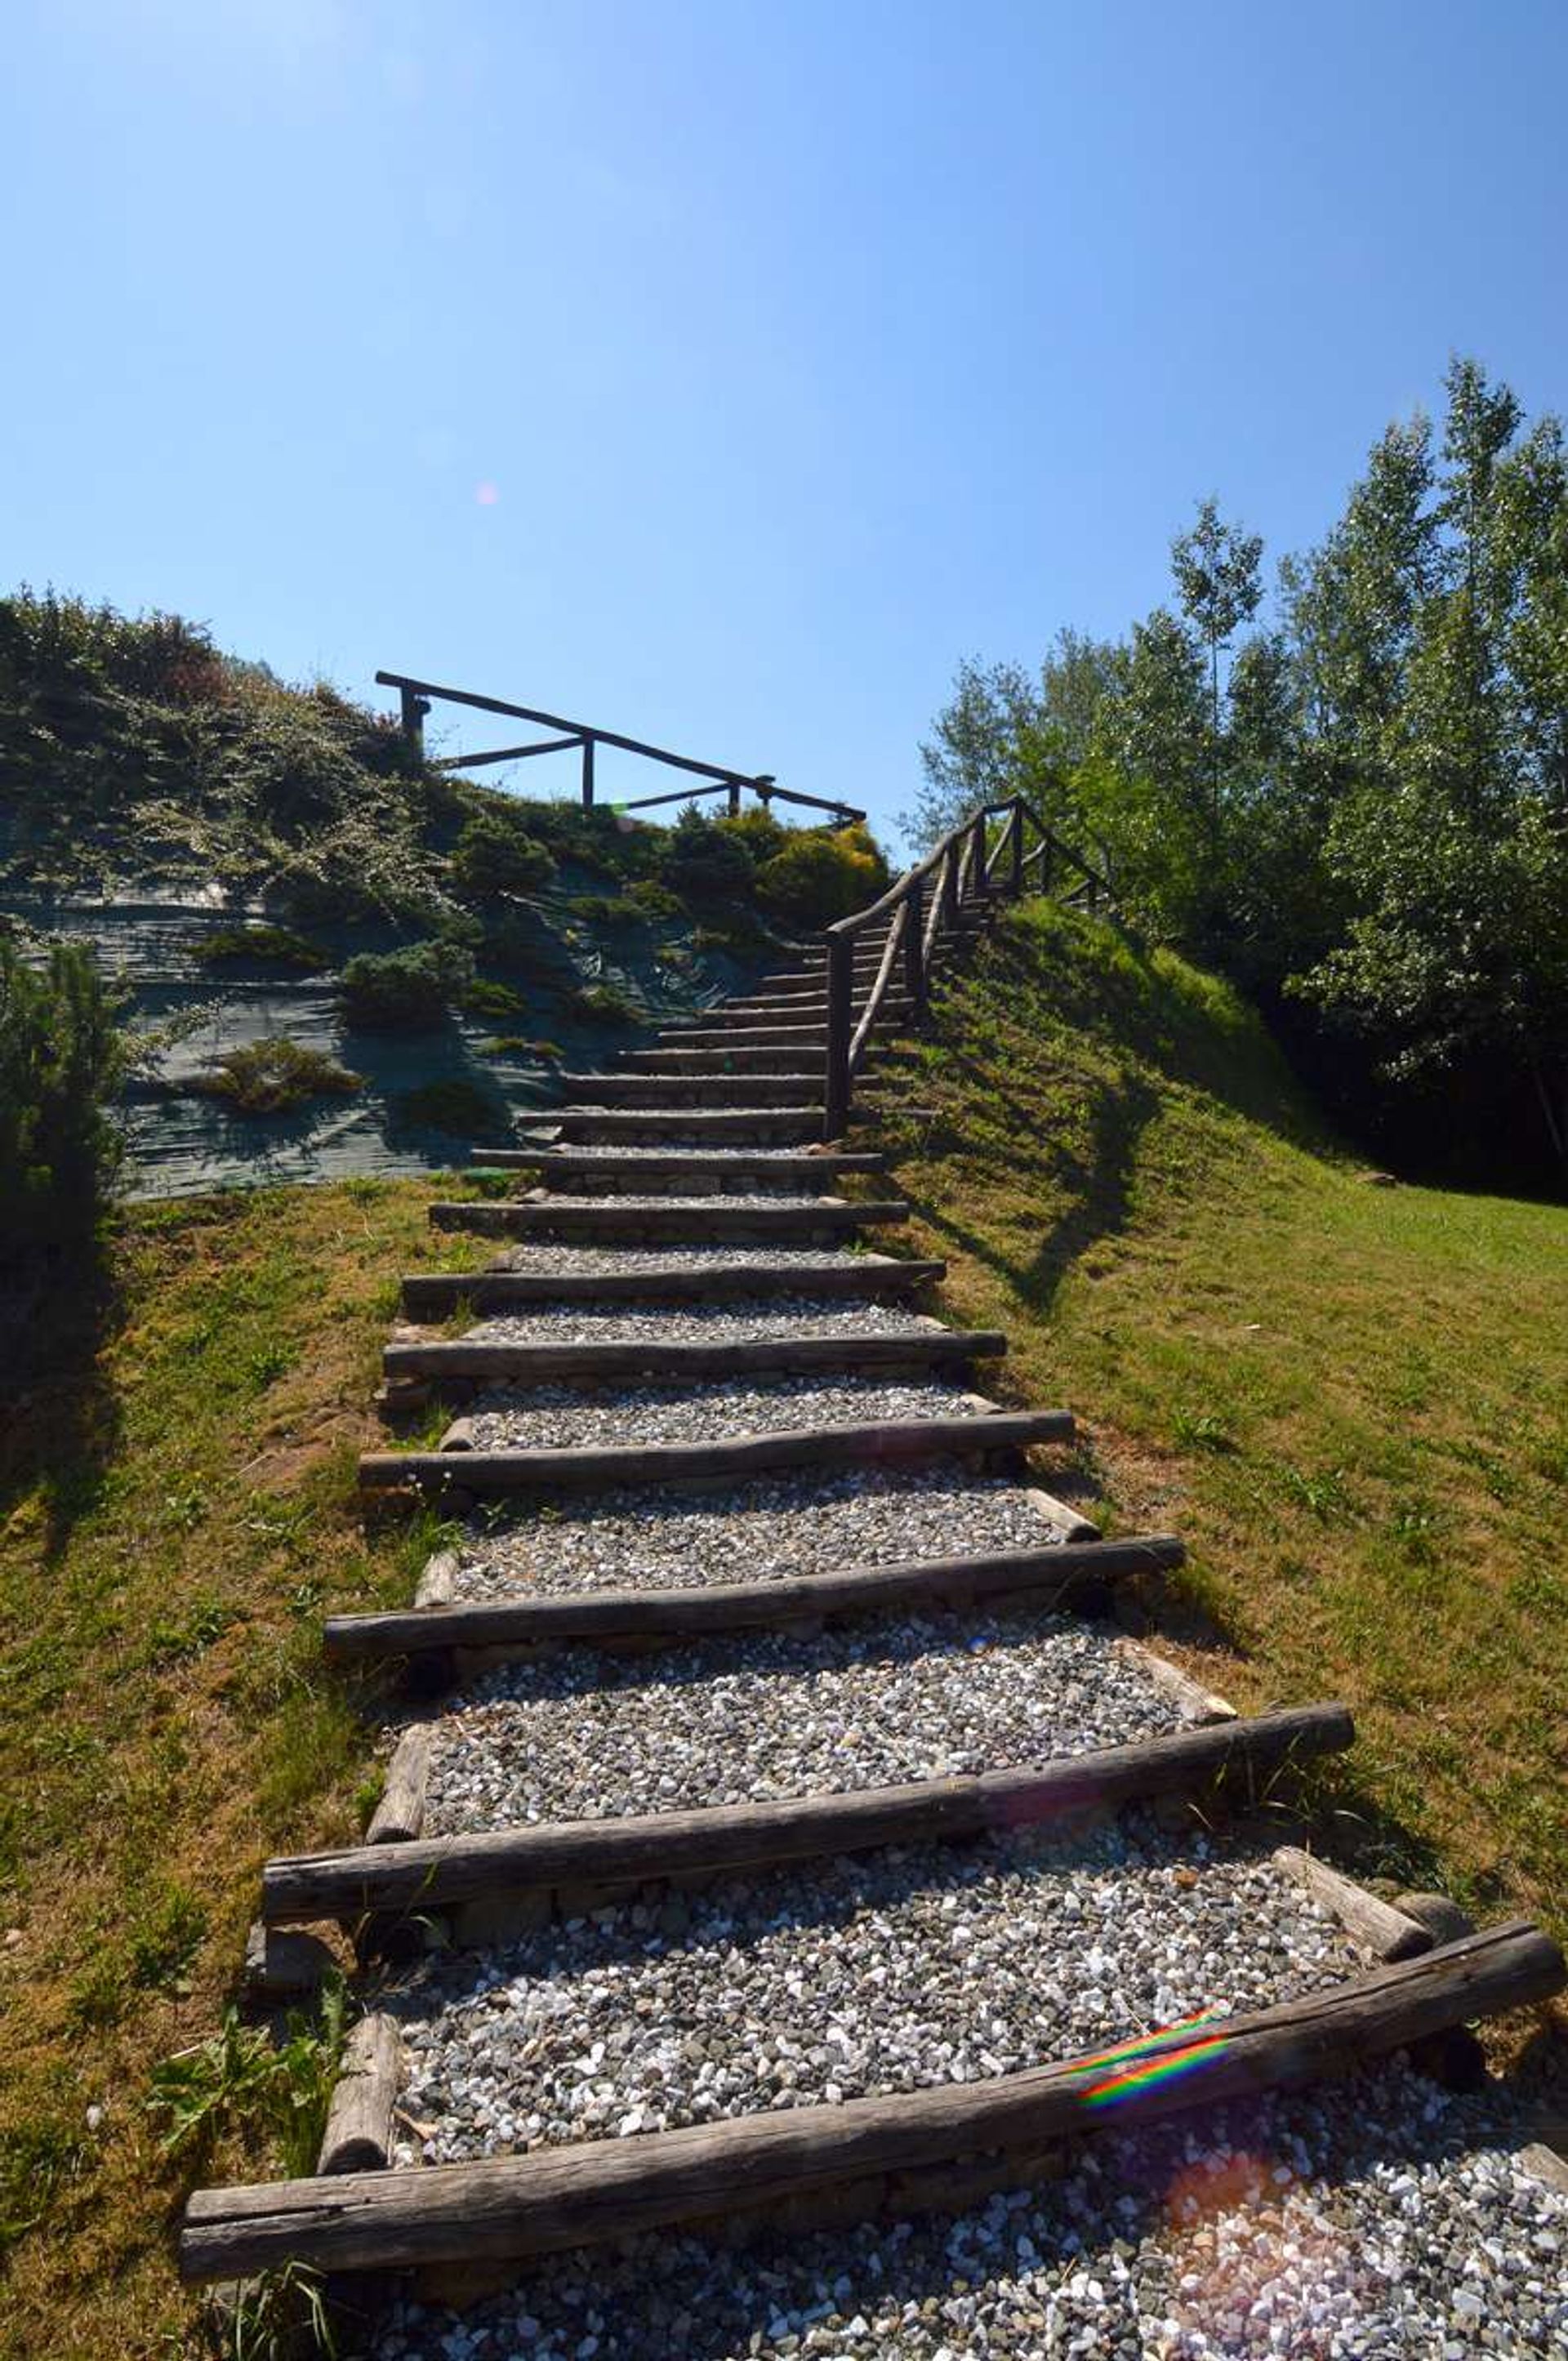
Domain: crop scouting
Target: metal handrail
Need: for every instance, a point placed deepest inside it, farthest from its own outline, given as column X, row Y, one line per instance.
column 417, row 696
column 965, row 868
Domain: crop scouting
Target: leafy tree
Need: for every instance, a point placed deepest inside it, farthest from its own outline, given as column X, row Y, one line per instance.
column 1216, row 570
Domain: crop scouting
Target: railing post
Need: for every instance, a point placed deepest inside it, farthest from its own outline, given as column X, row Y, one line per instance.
column 977, row 855
column 915, row 946
column 588, row 772
column 840, row 1033
column 1015, row 847
column 415, row 709
column 734, row 798
column 950, row 886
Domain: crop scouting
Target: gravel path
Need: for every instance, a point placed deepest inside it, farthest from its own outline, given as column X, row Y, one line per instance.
column 681, row 1198
column 545, row 1254
column 896, row 1971
column 771, row 1526
column 730, row 1319
column 566, row 1417
column 1379, row 2218
column 585, row 1735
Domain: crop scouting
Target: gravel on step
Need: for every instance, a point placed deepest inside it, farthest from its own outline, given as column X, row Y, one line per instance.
column 771, row 1526
column 674, row 1200
column 1375, row 2218
column 608, row 1262
column 586, row 1735
column 566, row 1417
column 897, row 1970
column 730, row 1320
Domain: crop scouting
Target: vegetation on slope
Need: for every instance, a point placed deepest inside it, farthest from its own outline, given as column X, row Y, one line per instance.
column 178, row 1512
column 1350, row 1399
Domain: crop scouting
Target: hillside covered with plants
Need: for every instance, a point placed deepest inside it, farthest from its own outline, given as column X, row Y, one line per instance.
column 1352, row 797
column 334, row 956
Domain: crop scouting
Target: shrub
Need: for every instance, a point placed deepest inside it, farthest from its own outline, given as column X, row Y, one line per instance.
column 406, row 990
column 519, row 1045
column 265, row 1077
column 485, row 998
column 495, row 854
column 259, row 947
column 819, row 876
column 653, row 900
column 460, row 1110
column 604, row 1003
column 62, row 1059
column 706, row 861
column 608, row 909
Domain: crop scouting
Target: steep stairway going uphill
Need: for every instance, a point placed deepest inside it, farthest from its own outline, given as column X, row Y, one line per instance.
column 786, row 1838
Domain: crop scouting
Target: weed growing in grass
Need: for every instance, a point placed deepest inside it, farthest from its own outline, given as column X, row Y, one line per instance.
column 1201, row 1431
column 241, row 2081
column 281, row 2316
column 37, row 2160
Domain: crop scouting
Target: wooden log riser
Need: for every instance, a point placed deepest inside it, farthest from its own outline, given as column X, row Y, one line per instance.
column 798, row 1066
column 544, row 2202
column 437, row 1295
column 757, row 1126
column 1069, row 1573
column 806, row 1223
column 902, row 1442
column 708, row 1090
column 555, row 1165
column 358, row 2135
column 729, row 1840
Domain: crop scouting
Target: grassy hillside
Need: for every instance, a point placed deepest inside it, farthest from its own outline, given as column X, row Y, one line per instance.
column 1351, row 1399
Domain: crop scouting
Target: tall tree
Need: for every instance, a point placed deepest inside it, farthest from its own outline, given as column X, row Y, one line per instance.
column 1216, row 570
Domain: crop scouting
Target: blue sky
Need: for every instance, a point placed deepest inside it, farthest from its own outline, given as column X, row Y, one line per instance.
column 723, row 373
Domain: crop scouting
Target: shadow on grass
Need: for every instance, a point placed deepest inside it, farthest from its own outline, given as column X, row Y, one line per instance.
column 62, row 1417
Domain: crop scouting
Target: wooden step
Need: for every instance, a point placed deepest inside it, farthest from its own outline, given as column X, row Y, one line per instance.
column 851, row 1353
column 1060, row 1574
column 855, row 1443
column 559, row 1164
column 732, row 1840
column 695, row 1221
column 803, row 1065
column 764, row 1124
column 743, row 1037
column 436, row 1295
column 901, row 2153
column 702, row 1088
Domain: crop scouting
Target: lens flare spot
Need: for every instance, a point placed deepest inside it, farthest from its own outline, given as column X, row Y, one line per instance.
column 486, row 494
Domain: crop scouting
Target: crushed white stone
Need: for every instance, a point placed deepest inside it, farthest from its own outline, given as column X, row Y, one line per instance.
column 730, row 1320
column 551, row 1257
column 565, row 1417
column 589, row 1736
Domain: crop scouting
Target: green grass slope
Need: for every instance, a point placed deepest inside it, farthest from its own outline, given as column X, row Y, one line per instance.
column 1352, row 1400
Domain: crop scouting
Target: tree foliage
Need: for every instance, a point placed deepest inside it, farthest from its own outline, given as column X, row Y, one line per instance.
column 1360, row 806
column 62, row 1058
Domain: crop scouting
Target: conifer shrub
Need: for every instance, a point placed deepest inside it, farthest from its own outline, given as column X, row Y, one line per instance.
column 407, row 991
column 62, row 1059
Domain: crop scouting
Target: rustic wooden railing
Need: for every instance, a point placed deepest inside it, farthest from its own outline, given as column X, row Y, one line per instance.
column 418, row 696
column 985, row 860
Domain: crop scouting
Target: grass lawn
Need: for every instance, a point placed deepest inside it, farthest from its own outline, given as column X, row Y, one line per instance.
column 176, row 1513
column 1352, row 1400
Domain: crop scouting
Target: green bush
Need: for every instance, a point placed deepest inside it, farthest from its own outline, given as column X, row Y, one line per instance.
column 819, row 876
column 461, row 1110
column 62, row 1059
column 407, row 991
column 259, row 947
column 265, row 1077
column 653, row 900
column 485, row 998
column 496, row 854
column 604, row 1003
column 608, row 909
column 520, row 1045
column 707, row 860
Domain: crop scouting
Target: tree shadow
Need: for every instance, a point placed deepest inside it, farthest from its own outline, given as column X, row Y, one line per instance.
column 62, row 1420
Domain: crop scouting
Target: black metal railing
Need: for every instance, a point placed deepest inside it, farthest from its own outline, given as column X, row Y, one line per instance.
column 978, row 865
column 418, row 696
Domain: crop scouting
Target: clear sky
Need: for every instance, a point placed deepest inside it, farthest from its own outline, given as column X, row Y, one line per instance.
column 722, row 372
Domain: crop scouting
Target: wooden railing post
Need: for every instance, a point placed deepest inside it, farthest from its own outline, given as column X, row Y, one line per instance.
column 734, row 798
column 588, row 774
column 1015, row 847
column 915, row 946
column 840, row 1033
column 415, row 709
column 977, row 856
column 950, row 886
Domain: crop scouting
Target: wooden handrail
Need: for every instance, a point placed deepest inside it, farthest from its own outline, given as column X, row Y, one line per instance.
column 964, row 866
column 417, row 695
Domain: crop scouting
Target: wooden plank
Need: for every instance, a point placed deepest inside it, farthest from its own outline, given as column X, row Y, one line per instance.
column 695, row 1221
column 557, row 1164
column 695, row 1090
column 591, row 1468
column 1050, row 1576
column 435, row 1295
column 556, row 2198
column 359, row 2135
column 545, row 1364
column 1386, row 1932
column 440, row 1871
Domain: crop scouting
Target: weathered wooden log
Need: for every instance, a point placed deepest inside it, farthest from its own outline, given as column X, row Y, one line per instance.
column 704, row 1221
column 435, row 1295
column 591, row 1468
column 583, row 2194
column 399, row 1815
column 1383, row 1931
column 438, row 1871
column 546, row 1364
column 1052, row 1576
column 358, row 2136
column 612, row 1124
column 695, row 1090
column 1197, row 1703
